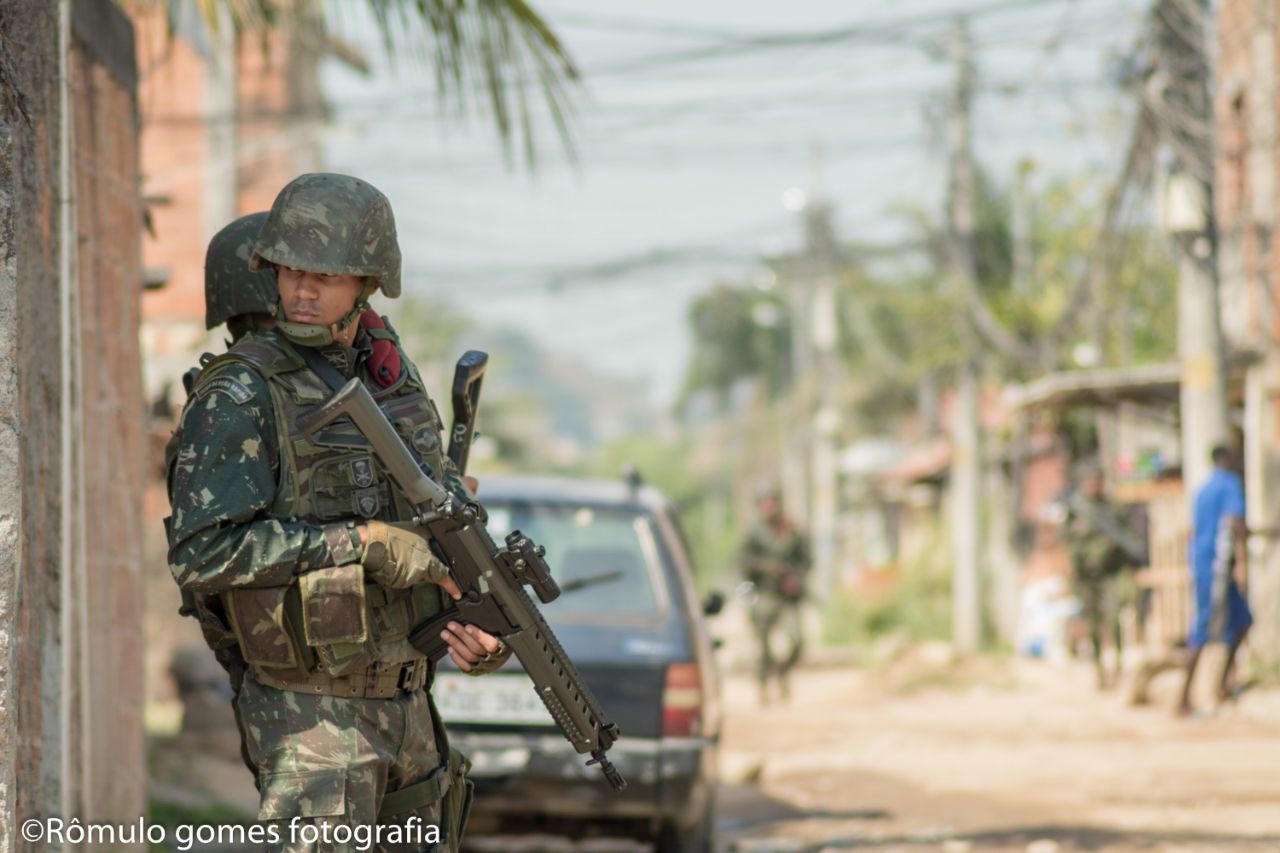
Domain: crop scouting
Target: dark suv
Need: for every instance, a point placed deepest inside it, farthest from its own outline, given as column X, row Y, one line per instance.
column 630, row 619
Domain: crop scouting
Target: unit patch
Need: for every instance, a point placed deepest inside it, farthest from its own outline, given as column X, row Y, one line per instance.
column 367, row 502
column 233, row 388
column 362, row 473
column 426, row 440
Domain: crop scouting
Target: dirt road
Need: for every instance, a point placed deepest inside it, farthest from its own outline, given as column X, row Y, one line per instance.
column 994, row 756
column 928, row 755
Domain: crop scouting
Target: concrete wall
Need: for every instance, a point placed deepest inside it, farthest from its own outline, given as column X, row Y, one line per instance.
column 30, row 416
column 112, row 422
column 70, row 451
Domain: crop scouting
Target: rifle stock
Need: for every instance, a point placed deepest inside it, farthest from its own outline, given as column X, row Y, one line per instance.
column 468, row 374
column 491, row 579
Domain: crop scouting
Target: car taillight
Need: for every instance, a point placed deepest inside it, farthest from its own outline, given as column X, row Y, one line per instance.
column 682, row 701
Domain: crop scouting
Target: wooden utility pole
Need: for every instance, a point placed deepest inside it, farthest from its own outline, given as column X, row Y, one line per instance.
column 1179, row 94
column 825, row 424
column 966, row 491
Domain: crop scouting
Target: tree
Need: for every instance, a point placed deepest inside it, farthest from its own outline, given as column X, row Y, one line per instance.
column 739, row 332
column 1136, row 299
column 491, row 50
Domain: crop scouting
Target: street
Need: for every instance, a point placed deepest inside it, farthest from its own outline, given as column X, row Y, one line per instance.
column 993, row 756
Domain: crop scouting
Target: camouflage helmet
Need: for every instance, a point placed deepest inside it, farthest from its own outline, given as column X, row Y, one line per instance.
column 230, row 287
column 332, row 224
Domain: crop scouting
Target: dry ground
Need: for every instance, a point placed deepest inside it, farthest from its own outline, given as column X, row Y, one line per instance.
column 929, row 755
column 994, row 756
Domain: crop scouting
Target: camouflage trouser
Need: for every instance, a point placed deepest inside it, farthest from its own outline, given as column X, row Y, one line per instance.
column 772, row 617
column 326, row 762
column 1102, row 602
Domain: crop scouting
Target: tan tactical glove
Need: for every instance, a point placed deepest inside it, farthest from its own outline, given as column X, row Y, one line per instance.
column 397, row 556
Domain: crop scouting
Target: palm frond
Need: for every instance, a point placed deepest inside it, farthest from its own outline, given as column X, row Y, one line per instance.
column 480, row 51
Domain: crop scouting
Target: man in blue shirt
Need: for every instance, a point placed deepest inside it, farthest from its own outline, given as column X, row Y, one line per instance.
column 1218, row 537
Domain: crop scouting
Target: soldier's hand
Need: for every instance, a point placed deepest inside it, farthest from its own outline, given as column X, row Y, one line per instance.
column 397, row 555
column 470, row 647
column 472, row 484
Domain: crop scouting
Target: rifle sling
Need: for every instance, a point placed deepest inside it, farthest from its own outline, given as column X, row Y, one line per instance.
column 321, row 366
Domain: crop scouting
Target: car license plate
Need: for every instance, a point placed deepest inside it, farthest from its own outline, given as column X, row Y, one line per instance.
column 488, row 699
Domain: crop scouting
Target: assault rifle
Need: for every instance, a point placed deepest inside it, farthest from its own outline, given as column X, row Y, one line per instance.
column 491, row 579
column 1094, row 516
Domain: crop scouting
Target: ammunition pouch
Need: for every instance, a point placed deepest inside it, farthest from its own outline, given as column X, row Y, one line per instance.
column 324, row 633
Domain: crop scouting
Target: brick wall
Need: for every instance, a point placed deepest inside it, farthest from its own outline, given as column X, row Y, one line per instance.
column 275, row 92
column 1248, row 159
column 1247, row 131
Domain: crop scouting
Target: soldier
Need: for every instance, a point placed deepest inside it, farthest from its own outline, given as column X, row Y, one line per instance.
column 244, row 300
column 309, row 547
column 775, row 560
column 1097, row 532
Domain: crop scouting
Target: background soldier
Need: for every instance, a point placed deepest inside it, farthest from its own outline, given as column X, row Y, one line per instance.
column 775, row 560
column 307, row 544
column 1101, row 564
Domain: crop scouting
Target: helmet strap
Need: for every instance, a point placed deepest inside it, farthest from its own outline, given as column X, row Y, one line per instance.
column 367, row 289
column 319, row 336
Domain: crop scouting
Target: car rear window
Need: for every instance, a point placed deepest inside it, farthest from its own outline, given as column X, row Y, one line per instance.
column 604, row 559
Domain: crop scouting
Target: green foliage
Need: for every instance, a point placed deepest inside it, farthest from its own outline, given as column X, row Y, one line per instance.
column 172, row 814
column 902, row 323
column 492, row 51
column 429, row 330
column 917, row 606
column 738, row 332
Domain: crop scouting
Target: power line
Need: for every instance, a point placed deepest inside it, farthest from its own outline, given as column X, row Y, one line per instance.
column 892, row 30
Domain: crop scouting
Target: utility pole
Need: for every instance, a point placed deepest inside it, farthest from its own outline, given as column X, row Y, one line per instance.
column 966, row 491
column 824, row 333
column 1020, row 226
column 1179, row 91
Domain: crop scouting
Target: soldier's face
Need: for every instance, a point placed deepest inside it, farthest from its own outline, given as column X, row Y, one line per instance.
column 316, row 299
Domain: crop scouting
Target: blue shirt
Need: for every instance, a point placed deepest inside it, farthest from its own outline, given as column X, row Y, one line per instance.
column 1221, row 497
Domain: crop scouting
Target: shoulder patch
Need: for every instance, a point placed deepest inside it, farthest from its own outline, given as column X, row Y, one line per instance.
column 233, row 388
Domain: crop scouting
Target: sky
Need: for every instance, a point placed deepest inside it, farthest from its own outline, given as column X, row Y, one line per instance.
column 683, row 162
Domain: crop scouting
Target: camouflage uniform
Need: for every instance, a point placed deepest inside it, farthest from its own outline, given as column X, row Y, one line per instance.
column 264, row 519
column 243, row 299
column 775, row 559
column 1099, row 564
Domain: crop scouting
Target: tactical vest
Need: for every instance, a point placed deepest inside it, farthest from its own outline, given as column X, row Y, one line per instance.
column 329, row 623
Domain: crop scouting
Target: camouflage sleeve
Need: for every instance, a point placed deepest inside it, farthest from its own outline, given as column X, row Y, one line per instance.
column 224, row 483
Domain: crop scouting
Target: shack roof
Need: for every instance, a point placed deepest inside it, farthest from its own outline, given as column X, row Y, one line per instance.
column 1151, row 384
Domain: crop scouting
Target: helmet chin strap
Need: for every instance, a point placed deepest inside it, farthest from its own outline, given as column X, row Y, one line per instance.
column 320, row 336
